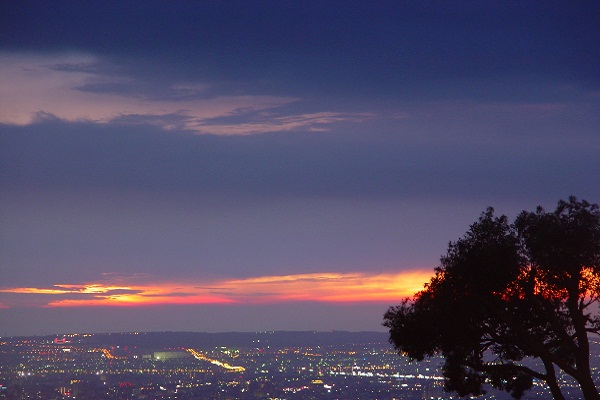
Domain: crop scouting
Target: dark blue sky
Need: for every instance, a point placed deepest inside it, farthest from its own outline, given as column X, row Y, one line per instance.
column 271, row 159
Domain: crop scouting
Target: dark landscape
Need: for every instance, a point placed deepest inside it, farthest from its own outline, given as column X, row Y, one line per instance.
column 229, row 365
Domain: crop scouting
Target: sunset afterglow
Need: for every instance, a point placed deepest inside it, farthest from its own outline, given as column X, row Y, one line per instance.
column 320, row 287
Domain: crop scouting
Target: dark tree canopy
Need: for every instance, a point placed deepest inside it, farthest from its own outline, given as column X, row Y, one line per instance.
column 506, row 292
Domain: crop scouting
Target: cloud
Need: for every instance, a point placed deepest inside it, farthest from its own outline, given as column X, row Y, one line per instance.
column 82, row 87
column 333, row 287
column 252, row 121
column 320, row 287
column 454, row 151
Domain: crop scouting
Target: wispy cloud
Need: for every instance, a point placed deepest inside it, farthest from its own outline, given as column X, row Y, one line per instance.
column 250, row 121
column 320, row 287
column 66, row 289
column 80, row 87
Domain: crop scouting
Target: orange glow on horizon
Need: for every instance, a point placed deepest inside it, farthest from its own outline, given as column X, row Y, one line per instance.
column 330, row 287
column 66, row 289
column 137, row 301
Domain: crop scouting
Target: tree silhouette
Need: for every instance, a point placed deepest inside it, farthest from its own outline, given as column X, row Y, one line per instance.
column 508, row 292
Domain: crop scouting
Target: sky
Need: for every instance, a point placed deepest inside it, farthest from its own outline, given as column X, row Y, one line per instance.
column 274, row 165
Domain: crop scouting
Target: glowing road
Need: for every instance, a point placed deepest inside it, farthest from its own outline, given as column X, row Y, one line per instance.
column 218, row 363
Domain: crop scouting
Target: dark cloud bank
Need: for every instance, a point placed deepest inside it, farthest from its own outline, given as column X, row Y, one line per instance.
column 56, row 154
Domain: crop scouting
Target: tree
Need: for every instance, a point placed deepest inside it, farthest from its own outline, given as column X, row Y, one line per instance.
column 506, row 293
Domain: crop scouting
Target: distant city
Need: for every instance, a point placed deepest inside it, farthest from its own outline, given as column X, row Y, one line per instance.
column 262, row 365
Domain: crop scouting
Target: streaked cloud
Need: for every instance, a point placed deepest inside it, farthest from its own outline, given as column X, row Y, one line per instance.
column 68, row 289
column 83, row 87
column 265, row 121
column 334, row 287
column 320, row 287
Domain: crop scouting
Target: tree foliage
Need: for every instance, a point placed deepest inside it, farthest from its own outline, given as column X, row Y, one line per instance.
column 507, row 292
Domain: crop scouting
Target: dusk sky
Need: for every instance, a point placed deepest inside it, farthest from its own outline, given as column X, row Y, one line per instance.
column 274, row 165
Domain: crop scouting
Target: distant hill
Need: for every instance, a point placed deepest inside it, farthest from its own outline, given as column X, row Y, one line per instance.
column 233, row 339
